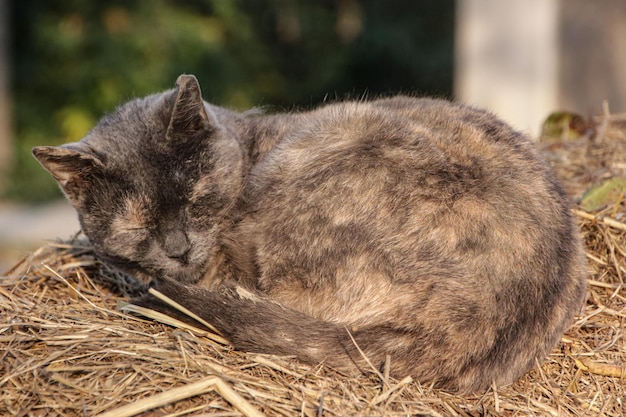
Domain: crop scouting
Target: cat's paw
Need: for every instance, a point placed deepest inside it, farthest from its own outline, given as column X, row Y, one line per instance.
column 169, row 287
column 171, row 290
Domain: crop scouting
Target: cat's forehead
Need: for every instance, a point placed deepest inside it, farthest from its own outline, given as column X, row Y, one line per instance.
column 148, row 175
column 134, row 129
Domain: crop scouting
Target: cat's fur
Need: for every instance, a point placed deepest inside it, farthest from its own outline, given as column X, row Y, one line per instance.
column 416, row 228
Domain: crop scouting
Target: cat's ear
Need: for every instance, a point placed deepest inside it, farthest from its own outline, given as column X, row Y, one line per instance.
column 189, row 116
column 70, row 166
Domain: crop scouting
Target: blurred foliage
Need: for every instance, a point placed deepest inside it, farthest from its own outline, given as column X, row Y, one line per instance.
column 75, row 60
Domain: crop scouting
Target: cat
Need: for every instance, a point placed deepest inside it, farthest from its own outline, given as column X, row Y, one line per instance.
column 415, row 228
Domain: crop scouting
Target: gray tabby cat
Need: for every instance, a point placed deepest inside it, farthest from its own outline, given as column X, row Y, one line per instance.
column 416, row 228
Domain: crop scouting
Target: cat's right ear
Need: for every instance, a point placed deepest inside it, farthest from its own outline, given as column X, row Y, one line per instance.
column 70, row 166
column 189, row 116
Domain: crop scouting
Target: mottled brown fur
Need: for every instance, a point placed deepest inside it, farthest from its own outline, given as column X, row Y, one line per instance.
column 422, row 229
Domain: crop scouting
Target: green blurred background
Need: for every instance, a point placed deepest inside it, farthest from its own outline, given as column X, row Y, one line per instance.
column 72, row 61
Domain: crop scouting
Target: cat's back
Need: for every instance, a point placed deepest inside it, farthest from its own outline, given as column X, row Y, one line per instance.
column 428, row 185
column 413, row 147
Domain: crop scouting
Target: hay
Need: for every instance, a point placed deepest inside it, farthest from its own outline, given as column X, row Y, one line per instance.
column 66, row 349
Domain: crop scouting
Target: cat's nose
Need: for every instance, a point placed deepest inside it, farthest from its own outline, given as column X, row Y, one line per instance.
column 177, row 245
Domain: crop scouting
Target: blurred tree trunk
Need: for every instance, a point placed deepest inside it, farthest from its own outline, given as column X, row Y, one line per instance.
column 6, row 134
column 593, row 55
column 524, row 59
column 507, row 58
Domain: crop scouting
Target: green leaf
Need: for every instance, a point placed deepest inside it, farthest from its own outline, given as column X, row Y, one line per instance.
column 603, row 194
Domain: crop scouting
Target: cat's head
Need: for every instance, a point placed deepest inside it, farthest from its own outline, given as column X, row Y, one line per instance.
column 152, row 181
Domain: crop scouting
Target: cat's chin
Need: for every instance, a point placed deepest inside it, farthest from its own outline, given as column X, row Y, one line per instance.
column 189, row 274
column 184, row 275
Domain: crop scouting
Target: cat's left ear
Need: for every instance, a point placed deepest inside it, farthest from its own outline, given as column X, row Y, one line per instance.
column 189, row 116
column 71, row 166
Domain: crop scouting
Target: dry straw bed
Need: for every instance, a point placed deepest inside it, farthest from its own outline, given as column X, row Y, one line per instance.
column 67, row 349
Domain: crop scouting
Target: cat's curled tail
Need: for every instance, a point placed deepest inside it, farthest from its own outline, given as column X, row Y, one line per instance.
column 254, row 323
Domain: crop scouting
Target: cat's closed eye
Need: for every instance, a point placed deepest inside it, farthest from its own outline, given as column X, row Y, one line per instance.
column 130, row 226
column 135, row 214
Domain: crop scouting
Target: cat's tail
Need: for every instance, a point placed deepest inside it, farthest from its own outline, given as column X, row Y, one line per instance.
column 253, row 323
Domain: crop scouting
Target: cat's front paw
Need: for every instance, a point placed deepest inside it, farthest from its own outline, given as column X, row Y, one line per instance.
column 171, row 290
column 169, row 287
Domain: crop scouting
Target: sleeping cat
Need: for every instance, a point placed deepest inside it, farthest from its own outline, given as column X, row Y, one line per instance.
column 416, row 228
